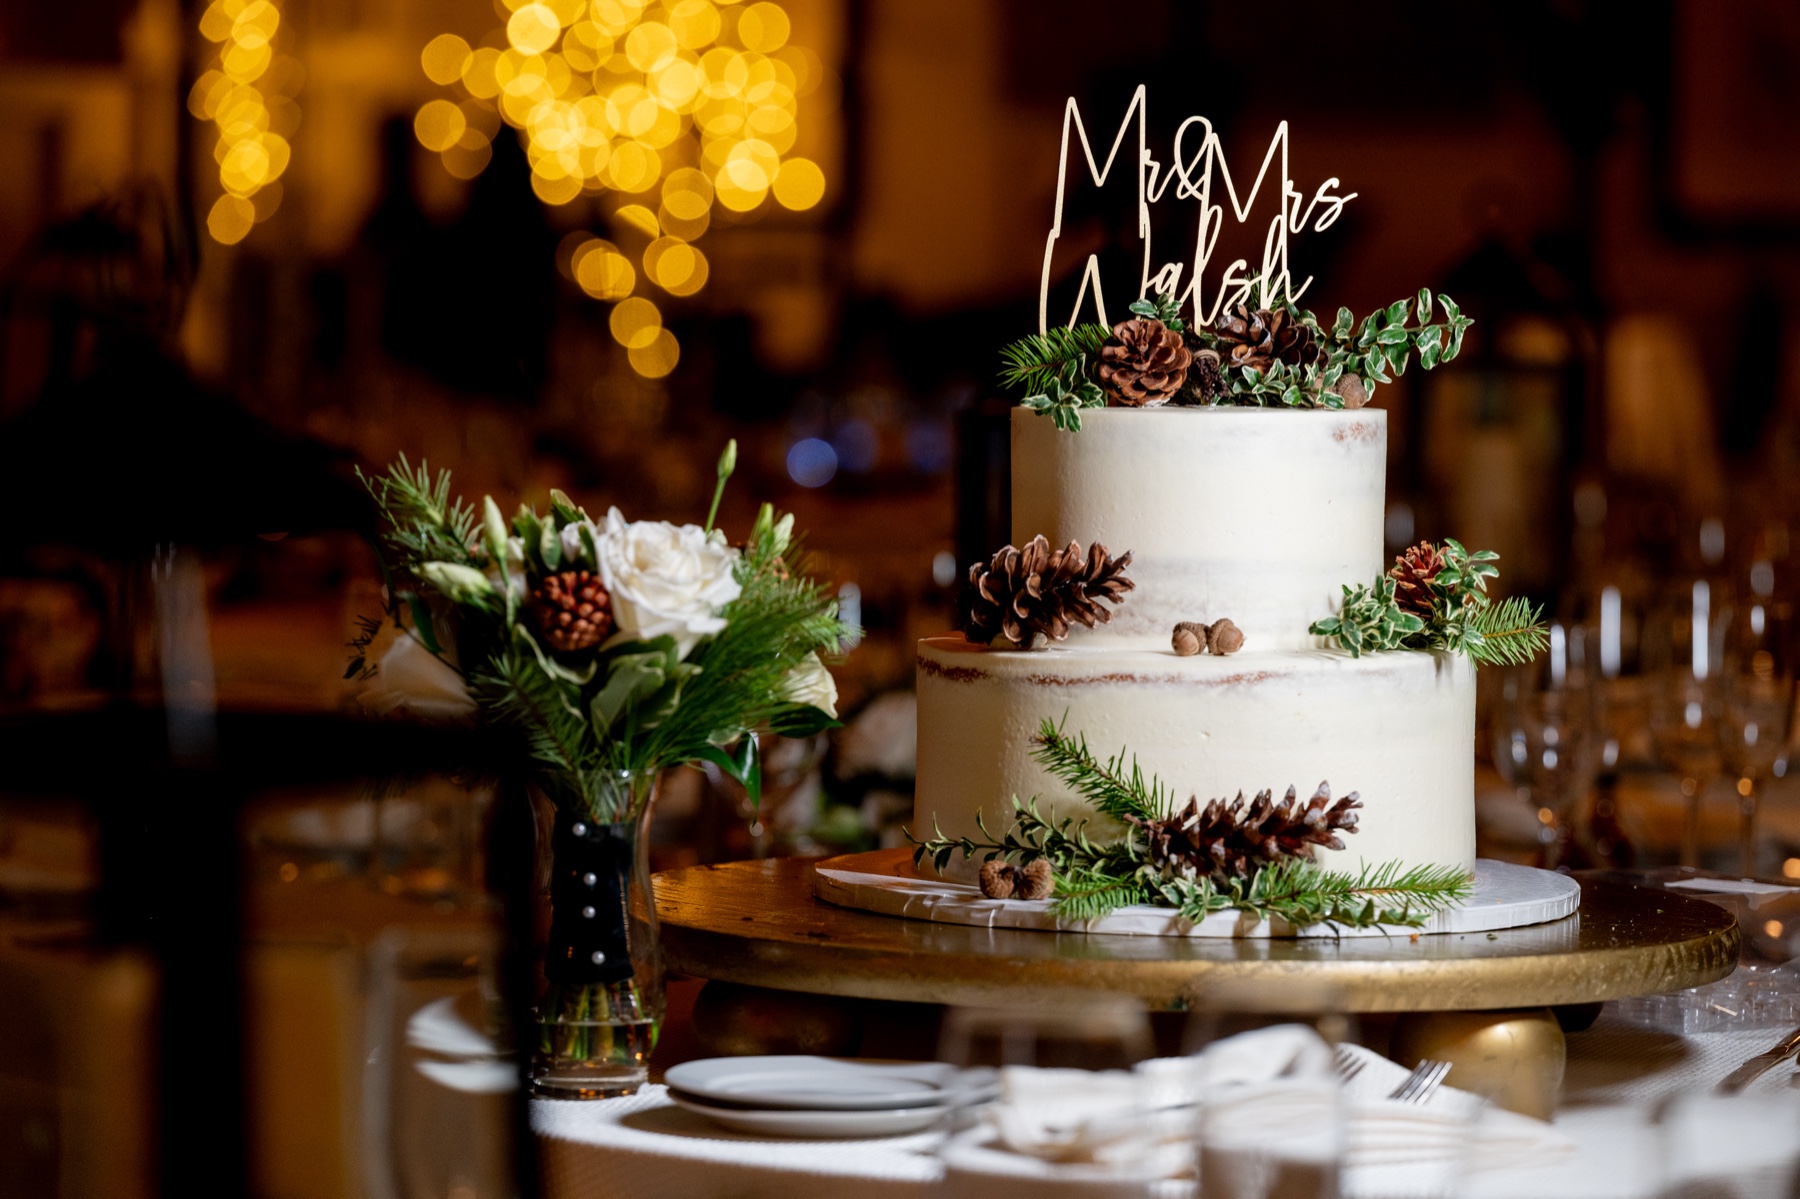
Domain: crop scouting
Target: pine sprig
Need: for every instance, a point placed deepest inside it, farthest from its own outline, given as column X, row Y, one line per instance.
column 1113, row 788
column 424, row 524
column 1094, row 879
column 1509, row 634
column 1034, row 360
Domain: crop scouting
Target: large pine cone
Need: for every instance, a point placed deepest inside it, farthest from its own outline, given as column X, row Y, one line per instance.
column 572, row 610
column 1227, row 841
column 1021, row 594
column 1144, row 363
column 1257, row 337
column 1413, row 573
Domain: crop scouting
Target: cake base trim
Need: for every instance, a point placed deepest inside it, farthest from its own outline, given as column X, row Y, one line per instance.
column 885, row 882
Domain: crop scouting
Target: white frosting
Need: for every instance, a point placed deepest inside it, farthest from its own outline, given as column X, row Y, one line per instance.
column 1398, row 728
column 1256, row 514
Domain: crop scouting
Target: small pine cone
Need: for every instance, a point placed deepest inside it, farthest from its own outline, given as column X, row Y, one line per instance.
column 1144, row 363
column 1295, row 344
column 1206, row 381
column 1245, row 336
column 1413, row 573
column 1035, row 881
column 1224, row 637
column 572, row 610
column 1259, row 336
column 997, row 879
column 1034, row 595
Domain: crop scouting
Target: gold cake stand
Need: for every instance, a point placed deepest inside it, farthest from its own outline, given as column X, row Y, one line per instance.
column 1482, row 1000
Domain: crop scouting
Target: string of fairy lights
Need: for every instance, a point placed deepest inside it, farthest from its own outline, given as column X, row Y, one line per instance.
column 248, row 95
column 671, row 107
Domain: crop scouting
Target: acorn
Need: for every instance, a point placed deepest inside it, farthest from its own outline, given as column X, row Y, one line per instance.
column 1035, row 881
column 1224, row 637
column 1189, row 638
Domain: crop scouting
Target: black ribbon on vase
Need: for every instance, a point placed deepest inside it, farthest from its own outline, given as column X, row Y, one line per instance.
column 590, row 864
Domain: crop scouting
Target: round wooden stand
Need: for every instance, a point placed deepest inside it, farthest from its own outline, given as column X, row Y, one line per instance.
column 758, row 924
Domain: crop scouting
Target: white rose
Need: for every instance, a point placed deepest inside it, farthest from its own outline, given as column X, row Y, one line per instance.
column 811, row 684
column 412, row 679
column 666, row 579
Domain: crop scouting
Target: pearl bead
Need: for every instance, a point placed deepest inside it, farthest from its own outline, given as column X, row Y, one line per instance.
column 599, row 958
column 580, row 829
column 587, row 913
column 590, row 878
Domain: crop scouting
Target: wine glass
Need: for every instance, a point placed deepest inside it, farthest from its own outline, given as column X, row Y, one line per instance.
column 1682, row 648
column 1070, row 1114
column 1756, row 708
column 1272, row 1118
column 1548, row 738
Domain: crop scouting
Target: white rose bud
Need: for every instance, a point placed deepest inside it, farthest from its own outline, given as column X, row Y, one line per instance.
column 459, row 584
column 575, row 547
column 666, row 579
column 493, row 527
column 811, row 684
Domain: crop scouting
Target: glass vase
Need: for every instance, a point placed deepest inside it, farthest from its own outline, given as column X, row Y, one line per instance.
column 601, row 1008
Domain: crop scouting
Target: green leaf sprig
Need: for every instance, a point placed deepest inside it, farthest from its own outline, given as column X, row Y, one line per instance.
column 1463, row 619
column 1065, row 394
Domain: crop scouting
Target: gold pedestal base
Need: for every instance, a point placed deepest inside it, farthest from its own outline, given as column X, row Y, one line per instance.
column 1513, row 1057
column 753, row 927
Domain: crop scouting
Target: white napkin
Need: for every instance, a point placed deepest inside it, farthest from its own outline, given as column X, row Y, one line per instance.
column 1264, row 1088
column 1386, row 1131
column 1106, row 1117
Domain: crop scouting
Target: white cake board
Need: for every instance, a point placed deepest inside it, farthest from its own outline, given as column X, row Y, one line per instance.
column 1506, row 896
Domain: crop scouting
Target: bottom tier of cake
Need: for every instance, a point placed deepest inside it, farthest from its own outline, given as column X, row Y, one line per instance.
column 1398, row 728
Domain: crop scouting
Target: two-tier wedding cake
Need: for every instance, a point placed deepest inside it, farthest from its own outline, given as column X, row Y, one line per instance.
column 1194, row 681
column 1252, row 514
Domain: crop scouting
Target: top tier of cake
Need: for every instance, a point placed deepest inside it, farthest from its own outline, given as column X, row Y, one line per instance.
column 1260, row 515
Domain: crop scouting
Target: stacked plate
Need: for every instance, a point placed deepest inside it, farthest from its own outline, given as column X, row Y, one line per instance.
column 826, row 1096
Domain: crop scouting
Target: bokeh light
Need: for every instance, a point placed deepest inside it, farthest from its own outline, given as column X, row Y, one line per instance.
column 658, row 357
column 249, row 97
column 676, row 108
column 811, row 462
column 635, row 323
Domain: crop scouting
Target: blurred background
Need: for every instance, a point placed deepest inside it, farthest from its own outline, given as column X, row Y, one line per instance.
column 248, row 245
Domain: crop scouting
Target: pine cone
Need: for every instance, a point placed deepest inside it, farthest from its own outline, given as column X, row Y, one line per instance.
column 572, row 610
column 1023, row 594
column 1413, row 573
column 1144, row 363
column 1226, row 841
column 1257, row 337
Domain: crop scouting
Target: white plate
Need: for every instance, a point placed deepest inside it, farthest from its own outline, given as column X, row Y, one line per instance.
column 799, row 1082
column 818, row 1125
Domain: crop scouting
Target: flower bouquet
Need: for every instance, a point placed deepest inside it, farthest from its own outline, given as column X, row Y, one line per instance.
column 614, row 649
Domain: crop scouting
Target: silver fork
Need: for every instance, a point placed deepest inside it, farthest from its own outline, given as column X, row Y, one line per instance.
column 1422, row 1083
column 1344, row 1065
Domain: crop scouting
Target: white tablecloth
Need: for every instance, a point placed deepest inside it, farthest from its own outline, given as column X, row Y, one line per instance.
column 643, row 1147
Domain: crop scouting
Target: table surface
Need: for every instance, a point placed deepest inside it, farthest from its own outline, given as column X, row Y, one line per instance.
column 758, row 923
